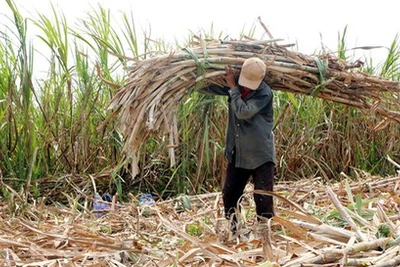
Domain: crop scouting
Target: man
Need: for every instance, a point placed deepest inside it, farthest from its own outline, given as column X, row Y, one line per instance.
column 249, row 148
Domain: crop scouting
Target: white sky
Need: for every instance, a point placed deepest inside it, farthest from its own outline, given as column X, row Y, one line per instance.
column 370, row 23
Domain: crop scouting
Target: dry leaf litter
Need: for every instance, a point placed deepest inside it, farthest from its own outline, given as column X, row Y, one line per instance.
column 317, row 223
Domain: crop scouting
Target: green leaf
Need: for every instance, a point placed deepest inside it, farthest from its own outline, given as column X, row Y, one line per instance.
column 293, row 100
column 359, row 203
column 186, row 203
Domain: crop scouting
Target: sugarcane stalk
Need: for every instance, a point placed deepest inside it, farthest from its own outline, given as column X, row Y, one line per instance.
column 160, row 82
column 345, row 214
column 333, row 255
column 390, row 263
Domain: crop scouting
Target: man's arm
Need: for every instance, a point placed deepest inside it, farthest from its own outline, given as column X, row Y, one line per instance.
column 214, row 90
column 222, row 90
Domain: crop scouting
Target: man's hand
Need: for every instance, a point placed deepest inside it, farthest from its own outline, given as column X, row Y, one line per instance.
column 230, row 77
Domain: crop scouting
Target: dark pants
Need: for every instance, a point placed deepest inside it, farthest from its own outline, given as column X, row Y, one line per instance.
column 236, row 180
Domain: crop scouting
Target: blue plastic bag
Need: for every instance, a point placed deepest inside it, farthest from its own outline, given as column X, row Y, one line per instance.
column 146, row 199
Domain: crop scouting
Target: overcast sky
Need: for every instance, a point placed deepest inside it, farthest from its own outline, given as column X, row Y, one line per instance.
column 370, row 23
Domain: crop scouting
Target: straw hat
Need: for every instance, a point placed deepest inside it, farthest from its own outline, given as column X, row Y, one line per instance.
column 252, row 73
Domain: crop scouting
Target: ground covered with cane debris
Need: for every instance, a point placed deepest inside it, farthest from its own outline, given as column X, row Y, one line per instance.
column 348, row 223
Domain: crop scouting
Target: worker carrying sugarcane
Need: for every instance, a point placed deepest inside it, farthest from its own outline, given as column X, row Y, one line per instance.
column 249, row 147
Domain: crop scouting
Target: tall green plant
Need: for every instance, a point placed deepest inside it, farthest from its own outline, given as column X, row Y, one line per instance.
column 341, row 51
column 21, row 131
column 391, row 65
column 8, row 91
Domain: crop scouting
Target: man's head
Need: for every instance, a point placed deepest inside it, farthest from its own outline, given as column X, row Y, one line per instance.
column 252, row 73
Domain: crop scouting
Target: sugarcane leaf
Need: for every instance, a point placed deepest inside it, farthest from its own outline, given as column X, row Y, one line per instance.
column 322, row 68
column 359, row 203
column 349, row 193
column 293, row 100
column 319, row 87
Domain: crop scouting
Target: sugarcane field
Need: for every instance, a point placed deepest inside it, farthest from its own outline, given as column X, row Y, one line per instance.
column 116, row 146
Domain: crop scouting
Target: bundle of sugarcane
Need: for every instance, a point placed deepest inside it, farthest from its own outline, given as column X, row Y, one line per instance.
column 155, row 86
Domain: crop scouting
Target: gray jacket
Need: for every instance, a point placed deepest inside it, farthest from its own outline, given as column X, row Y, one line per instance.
column 250, row 125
